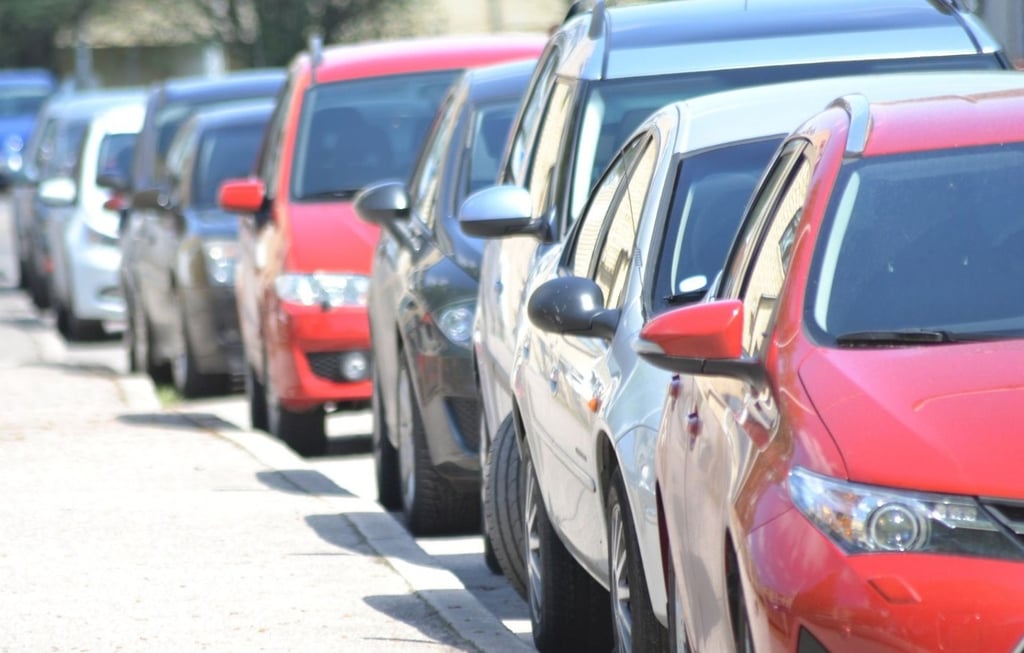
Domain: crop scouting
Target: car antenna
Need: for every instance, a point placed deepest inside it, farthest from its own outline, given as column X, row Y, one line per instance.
column 316, row 56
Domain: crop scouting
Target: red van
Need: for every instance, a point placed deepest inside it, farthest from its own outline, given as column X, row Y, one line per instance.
column 349, row 115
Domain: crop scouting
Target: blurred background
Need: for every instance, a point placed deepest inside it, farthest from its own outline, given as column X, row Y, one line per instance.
column 132, row 42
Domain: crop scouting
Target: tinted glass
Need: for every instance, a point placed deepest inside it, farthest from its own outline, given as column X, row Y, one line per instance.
column 711, row 192
column 931, row 240
column 115, row 155
column 174, row 114
column 353, row 133
column 225, row 153
column 20, row 101
column 491, row 127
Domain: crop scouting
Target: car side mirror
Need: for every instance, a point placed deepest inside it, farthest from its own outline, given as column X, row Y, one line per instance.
column 382, row 204
column 572, row 306
column 242, row 195
column 152, row 199
column 500, row 211
column 700, row 339
column 57, row 191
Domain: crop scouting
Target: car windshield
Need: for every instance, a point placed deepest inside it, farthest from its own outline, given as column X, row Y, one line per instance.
column 930, row 242
column 20, row 101
column 224, row 153
column 355, row 132
column 614, row 108
column 115, row 156
column 711, row 192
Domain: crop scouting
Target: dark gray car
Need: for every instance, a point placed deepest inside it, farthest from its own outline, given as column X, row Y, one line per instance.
column 422, row 298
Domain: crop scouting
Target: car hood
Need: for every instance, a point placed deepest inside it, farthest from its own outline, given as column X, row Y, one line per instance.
column 945, row 418
column 329, row 236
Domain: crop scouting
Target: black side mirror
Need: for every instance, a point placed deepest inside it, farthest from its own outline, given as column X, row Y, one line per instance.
column 152, row 199
column 574, row 306
column 383, row 203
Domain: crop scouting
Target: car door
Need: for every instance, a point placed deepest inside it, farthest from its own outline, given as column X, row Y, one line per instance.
column 574, row 374
column 730, row 420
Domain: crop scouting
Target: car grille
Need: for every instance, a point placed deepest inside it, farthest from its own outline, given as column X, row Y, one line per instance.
column 328, row 365
column 465, row 414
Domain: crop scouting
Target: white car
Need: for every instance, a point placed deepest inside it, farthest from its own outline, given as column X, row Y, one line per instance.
column 85, row 290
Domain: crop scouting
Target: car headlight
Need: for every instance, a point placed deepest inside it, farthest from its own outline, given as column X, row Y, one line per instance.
column 870, row 519
column 456, row 323
column 14, row 143
column 220, row 258
column 325, row 289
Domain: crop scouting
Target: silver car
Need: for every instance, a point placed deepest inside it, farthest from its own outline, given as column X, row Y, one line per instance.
column 86, row 256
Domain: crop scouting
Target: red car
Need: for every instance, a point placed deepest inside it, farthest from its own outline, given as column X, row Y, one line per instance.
column 838, row 463
column 349, row 115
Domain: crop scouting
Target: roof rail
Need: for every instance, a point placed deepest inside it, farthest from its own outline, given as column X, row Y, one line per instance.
column 597, row 20
column 316, row 56
column 859, row 110
column 577, row 8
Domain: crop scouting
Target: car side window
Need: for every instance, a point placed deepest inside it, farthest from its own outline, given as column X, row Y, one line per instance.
column 270, row 153
column 515, row 167
column 753, row 222
column 587, row 234
column 770, row 263
column 619, row 245
column 425, row 186
column 546, row 156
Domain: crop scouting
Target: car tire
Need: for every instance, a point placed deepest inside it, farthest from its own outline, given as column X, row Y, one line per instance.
column 385, row 456
column 743, row 639
column 503, row 506
column 569, row 610
column 188, row 380
column 636, row 628
column 678, row 642
column 430, row 504
column 130, row 338
column 305, row 432
column 39, row 292
column 74, row 329
column 257, row 400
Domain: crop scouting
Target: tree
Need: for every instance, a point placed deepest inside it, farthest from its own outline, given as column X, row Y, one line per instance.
column 27, row 29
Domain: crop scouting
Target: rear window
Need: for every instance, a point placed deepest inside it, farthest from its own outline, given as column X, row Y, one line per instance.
column 223, row 154
column 355, row 132
column 17, row 101
column 115, row 156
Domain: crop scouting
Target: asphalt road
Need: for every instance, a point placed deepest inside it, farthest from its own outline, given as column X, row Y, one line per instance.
column 455, row 602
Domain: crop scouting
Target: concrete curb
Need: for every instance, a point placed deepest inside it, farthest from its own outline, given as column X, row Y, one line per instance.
column 388, row 538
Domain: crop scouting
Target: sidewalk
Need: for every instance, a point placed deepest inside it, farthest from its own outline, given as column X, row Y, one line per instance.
column 125, row 527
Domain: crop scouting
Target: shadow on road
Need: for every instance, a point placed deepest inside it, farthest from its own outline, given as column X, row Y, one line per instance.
column 190, row 421
column 301, row 481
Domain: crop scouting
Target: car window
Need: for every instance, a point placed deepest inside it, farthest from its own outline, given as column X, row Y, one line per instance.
column 356, row 132
column 618, row 247
column 115, row 155
column 270, row 154
column 585, row 238
column 770, row 264
column 489, row 132
column 547, row 154
column 533, row 104
column 178, row 150
column 930, row 240
column 19, row 100
column 224, row 153
column 424, row 185
column 711, row 191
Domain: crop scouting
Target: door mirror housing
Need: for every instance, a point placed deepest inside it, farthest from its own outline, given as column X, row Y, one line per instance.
column 152, row 199
column 700, row 339
column 382, row 204
column 500, row 211
column 57, row 191
column 572, row 306
column 242, row 195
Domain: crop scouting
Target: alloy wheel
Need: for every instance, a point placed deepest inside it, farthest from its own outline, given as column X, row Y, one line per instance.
column 622, row 615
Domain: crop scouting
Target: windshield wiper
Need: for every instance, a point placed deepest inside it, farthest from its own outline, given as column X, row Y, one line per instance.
column 330, row 195
column 893, row 337
column 685, row 297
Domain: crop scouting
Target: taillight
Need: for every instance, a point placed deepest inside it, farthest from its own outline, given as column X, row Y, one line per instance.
column 115, row 203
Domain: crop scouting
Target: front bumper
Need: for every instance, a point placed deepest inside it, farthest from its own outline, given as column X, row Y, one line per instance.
column 450, row 409
column 93, row 280
column 807, row 595
column 302, row 342
column 213, row 329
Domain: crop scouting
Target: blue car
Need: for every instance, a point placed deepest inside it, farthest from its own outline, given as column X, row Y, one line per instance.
column 22, row 93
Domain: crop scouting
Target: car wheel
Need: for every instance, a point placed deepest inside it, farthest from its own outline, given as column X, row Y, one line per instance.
column 503, row 506
column 257, row 401
column 430, row 504
column 742, row 636
column 24, row 275
column 568, row 608
column 39, row 292
column 677, row 640
column 74, row 329
column 188, row 380
column 636, row 627
column 304, row 432
column 132, row 342
column 159, row 371
column 385, row 456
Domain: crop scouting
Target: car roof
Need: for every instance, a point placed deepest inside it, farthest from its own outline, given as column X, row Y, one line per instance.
column 23, row 76
column 727, row 117
column 969, row 117
column 691, row 35
column 208, row 87
column 83, row 104
column 377, row 58
column 123, row 118
column 505, row 80
column 242, row 112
